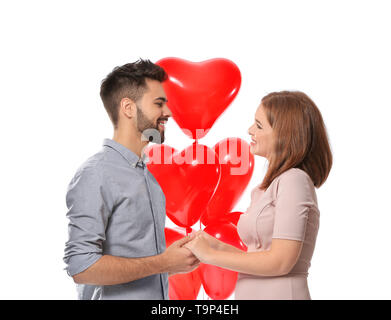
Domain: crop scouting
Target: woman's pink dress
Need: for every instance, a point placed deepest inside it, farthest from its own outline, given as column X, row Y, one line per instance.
column 288, row 209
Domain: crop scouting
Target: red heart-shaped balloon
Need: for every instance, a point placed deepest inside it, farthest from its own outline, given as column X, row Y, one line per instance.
column 219, row 283
column 182, row 286
column 188, row 179
column 199, row 92
column 237, row 166
column 231, row 217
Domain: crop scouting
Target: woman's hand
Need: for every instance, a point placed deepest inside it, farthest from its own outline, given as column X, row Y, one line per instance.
column 213, row 242
column 200, row 247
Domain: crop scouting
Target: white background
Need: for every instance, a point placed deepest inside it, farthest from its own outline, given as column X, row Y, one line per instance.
column 54, row 55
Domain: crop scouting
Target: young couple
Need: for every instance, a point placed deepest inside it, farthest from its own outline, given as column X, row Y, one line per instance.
column 116, row 209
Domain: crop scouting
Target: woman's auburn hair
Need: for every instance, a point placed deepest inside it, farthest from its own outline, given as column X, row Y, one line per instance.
column 300, row 137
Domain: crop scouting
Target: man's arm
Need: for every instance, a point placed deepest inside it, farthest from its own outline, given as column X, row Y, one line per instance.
column 111, row 270
column 90, row 204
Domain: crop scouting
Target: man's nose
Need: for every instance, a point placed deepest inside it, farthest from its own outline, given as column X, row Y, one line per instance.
column 166, row 111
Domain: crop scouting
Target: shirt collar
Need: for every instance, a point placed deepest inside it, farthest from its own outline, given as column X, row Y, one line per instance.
column 133, row 159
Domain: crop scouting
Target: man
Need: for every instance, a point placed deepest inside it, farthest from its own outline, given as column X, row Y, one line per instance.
column 116, row 209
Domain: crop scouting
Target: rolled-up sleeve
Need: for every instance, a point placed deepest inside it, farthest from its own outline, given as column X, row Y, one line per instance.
column 293, row 202
column 89, row 209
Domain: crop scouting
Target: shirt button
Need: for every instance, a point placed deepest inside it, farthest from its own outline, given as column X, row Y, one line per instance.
column 259, row 245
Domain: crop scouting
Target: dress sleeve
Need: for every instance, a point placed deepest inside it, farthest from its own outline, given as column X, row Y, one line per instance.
column 88, row 214
column 293, row 201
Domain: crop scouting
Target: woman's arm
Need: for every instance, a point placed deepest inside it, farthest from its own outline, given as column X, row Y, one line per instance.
column 294, row 198
column 217, row 244
column 277, row 261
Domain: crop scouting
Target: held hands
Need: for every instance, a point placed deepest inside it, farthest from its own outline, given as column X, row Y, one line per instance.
column 179, row 259
column 185, row 255
column 202, row 245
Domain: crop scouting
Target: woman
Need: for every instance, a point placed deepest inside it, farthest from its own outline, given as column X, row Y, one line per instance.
column 281, row 224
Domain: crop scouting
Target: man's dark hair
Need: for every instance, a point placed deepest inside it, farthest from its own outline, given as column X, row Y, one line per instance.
column 128, row 81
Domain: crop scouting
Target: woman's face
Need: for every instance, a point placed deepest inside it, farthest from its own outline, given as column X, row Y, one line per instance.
column 261, row 135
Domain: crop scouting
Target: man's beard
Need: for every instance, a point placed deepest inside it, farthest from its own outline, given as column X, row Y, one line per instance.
column 143, row 123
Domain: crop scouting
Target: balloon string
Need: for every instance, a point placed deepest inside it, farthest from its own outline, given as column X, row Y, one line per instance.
column 203, row 291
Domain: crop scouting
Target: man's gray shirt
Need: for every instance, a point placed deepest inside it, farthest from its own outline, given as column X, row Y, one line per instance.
column 115, row 207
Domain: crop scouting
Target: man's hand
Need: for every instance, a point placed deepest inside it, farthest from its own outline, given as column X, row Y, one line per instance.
column 179, row 259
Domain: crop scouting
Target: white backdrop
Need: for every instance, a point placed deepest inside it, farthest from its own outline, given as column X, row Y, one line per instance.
column 54, row 55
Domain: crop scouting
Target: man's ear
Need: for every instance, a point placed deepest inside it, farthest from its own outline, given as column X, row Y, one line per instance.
column 127, row 107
